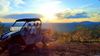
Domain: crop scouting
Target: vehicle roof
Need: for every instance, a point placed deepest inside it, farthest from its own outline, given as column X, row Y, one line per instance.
column 29, row 19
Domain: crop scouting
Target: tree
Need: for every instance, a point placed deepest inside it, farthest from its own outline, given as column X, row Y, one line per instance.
column 1, row 28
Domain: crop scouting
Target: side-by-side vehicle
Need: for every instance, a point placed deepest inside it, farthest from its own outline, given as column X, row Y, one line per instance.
column 21, row 33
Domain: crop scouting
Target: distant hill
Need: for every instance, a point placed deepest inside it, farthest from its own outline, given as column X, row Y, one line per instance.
column 65, row 27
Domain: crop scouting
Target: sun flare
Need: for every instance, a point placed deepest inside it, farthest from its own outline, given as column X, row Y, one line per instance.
column 49, row 11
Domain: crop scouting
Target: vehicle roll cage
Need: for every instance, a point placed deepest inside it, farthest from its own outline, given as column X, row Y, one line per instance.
column 26, row 20
column 29, row 19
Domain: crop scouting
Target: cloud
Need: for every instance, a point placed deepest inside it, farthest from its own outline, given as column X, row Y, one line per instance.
column 7, row 5
column 72, row 14
column 13, row 6
column 20, row 16
column 18, row 3
column 4, row 6
column 79, row 15
column 37, row 6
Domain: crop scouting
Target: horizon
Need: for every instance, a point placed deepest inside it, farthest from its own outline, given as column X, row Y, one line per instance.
column 58, row 22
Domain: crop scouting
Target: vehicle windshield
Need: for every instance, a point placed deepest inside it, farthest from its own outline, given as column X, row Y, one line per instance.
column 20, row 25
column 17, row 26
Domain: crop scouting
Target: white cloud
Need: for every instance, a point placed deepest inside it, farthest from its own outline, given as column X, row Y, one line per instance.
column 5, row 6
column 17, row 3
column 14, row 6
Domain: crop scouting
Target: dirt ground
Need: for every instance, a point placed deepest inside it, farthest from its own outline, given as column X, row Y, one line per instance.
column 68, row 49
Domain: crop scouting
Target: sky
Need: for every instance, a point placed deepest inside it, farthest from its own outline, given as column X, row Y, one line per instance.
column 54, row 10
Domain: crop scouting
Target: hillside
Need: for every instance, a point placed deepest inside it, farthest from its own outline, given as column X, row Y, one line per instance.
column 82, row 42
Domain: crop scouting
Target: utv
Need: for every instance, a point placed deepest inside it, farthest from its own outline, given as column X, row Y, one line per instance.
column 25, row 31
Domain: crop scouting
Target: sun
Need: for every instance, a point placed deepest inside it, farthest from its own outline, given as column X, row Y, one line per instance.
column 49, row 11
